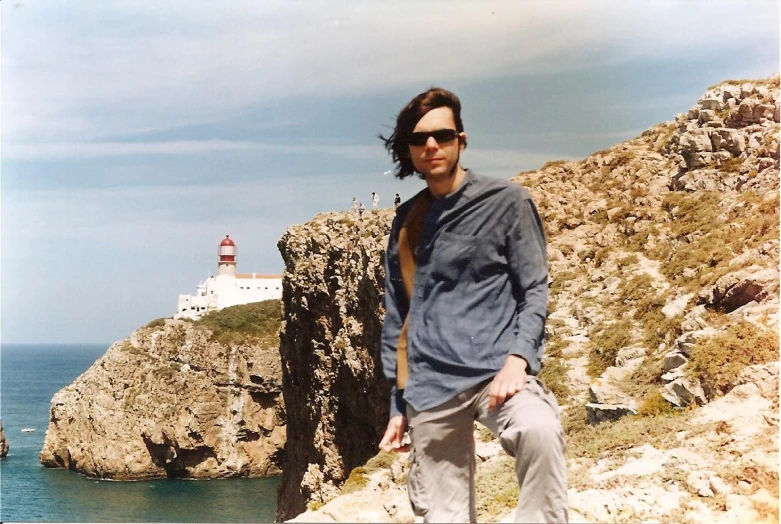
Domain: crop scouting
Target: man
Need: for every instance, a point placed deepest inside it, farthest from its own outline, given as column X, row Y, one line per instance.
column 396, row 201
column 466, row 295
column 375, row 200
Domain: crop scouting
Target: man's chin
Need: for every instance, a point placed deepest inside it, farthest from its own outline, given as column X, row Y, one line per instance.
column 438, row 174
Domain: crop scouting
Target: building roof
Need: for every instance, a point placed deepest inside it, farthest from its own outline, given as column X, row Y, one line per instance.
column 257, row 275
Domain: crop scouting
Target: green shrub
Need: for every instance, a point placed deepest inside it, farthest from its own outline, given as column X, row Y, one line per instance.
column 554, row 375
column 357, row 480
column 717, row 361
column 553, row 163
column 381, row 460
column 732, row 165
column 654, row 404
column 616, row 436
column 255, row 323
column 156, row 323
column 496, row 489
column 636, row 288
column 605, row 343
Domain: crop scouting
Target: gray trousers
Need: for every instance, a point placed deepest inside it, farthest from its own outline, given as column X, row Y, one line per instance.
column 441, row 478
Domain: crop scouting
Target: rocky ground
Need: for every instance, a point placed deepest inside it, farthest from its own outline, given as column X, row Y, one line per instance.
column 663, row 333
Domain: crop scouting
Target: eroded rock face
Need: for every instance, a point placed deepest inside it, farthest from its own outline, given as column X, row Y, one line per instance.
column 167, row 402
column 334, row 390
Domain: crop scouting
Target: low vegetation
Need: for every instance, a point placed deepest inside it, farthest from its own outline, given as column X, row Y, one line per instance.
column 657, row 428
column 156, row 323
column 496, row 489
column 606, row 341
column 255, row 323
column 717, row 361
column 554, row 375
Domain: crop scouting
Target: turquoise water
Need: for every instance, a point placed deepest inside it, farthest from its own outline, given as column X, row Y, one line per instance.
column 29, row 377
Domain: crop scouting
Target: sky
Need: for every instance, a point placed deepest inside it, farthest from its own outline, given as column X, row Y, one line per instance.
column 136, row 134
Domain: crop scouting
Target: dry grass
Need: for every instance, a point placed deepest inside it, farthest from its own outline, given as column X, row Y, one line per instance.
column 646, row 378
column 615, row 437
column 496, row 489
column 605, row 342
column 255, row 323
column 706, row 235
column 554, row 375
column 655, row 405
column 553, row 163
column 717, row 361
column 357, row 480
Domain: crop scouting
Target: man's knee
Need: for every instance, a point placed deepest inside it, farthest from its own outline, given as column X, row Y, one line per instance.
column 536, row 435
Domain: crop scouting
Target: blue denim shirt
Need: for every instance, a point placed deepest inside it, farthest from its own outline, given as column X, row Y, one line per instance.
column 480, row 293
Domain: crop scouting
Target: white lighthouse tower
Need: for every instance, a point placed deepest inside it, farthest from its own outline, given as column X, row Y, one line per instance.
column 227, row 253
column 228, row 288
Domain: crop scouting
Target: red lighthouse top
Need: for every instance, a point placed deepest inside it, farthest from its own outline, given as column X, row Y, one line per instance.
column 227, row 250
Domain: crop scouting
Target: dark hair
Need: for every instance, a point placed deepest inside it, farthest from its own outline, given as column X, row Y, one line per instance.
column 409, row 116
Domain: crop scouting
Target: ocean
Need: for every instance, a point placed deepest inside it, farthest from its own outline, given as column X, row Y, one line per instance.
column 30, row 374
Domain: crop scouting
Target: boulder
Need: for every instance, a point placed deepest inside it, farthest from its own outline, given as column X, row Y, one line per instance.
column 738, row 289
column 674, row 359
column 683, row 392
column 3, row 442
column 601, row 392
column 597, row 413
column 730, row 140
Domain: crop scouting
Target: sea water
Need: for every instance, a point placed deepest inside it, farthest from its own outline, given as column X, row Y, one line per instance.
column 30, row 375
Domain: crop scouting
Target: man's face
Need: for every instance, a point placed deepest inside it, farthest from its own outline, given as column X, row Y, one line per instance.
column 437, row 159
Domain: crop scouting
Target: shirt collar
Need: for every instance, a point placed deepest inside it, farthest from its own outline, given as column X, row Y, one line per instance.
column 452, row 197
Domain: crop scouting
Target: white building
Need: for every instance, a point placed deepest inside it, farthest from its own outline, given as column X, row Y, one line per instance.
column 228, row 288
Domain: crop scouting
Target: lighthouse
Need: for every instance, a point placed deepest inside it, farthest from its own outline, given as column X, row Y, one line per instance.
column 227, row 254
column 228, row 288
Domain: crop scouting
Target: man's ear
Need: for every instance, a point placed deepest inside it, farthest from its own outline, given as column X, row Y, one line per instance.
column 461, row 141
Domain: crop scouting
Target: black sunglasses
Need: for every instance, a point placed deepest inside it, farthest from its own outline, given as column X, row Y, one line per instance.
column 419, row 138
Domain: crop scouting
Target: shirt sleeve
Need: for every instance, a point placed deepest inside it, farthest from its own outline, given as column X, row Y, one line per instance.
column 395, row 305
column 528, row 264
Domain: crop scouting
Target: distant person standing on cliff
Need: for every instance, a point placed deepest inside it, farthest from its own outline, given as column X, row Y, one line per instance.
column 396, row 200
column 375, row 200
column 466, row 298
column 354, row 205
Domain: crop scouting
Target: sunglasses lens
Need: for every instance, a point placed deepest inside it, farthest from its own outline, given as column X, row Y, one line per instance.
column 418, row 139
column 440, row 136
column 443, row 135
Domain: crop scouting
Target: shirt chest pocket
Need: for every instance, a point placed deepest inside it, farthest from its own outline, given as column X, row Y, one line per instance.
column 452, row 256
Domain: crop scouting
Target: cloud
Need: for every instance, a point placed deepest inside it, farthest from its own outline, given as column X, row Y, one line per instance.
column 127, row 67
column 13, row 151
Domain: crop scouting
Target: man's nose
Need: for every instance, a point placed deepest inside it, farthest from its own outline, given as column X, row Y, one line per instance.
column 431, row 143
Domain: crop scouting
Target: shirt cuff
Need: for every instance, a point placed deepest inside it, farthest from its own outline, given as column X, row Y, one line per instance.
column 398, row 406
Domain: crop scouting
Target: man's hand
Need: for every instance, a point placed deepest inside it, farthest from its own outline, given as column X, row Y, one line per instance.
column 510, row 380
column 392, row 441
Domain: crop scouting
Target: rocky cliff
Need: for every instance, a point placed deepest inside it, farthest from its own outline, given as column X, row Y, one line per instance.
column 173, row 400
column 336, row 397
column 662, row 341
